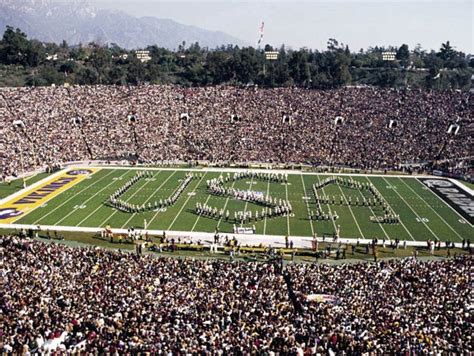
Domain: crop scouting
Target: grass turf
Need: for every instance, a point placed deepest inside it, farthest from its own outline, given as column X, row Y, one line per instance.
column 423, row 215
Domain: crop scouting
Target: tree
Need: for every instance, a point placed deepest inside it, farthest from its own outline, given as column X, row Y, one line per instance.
column 332, row 44
column 403, row 55
column 195, row 74
column 68, row 67
column 100, row 60
column 298, row 67
column 246, row 65
column 47, row 75
column 136, row 71
column 154, row 73
column 14, row 47
column 446, row 52
column 334, row 67
column 87, row 76
column 35, row 54
column 116, row 75
column 218, row 67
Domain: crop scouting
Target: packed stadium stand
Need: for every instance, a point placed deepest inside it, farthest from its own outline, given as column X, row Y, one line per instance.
column 356, row 127
column 63, row 299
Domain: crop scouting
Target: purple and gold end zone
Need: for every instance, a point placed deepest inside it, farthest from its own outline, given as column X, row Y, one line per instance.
column 18, row 206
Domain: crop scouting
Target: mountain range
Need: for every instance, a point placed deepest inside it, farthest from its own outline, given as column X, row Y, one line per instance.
column 76, row 21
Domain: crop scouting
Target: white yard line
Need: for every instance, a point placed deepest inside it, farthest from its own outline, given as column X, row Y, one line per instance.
column 399, row 218
column 186, row 202
column 350, row 210
column 197, row 220
column 307, row 206
column 462, row 217
column 225, row 206
column 265, row 218
column 74, row 196
column 246, row 202
column 428, row 205
column 156, row 214
column 151, row 196
column 130, row 197
column 373, row 213
column 435, row 236
column 87, row 200
column 95, row 210
column 329, row 208
column 287, row 215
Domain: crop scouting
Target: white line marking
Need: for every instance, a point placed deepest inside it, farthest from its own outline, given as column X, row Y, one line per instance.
column 100, row 206
column 93, row 196
column 428, row 205
column 268, row 240
column 186, row 202
column 127, row 200
column 151, row 196
column 159, row 210
column 225, row 206
column 436, row 237
column 246, row 202
column 350, row 210
column 265, row 219
column 307, row 206
column 399, row 218
column 329, row 208
column 287, row 215
column 195, row 223
column 373, row 213
column 75, row 195
column 257, row 170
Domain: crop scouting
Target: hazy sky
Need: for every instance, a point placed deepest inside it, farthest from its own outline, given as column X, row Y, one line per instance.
column 306, row 23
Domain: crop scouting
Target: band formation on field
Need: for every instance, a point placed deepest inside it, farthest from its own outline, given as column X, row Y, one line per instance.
column 247, row 202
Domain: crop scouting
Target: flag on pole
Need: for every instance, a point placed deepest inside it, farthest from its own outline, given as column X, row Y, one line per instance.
column 262, row 27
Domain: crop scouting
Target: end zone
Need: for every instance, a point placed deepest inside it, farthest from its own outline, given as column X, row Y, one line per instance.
column 454, row 195
column 18, row 205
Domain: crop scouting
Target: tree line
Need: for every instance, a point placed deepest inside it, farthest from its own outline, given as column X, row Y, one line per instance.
column 30, row 62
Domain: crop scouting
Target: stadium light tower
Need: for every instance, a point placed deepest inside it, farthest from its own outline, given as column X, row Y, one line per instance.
column 78, row 122
column 388, row 56
column 20, row 125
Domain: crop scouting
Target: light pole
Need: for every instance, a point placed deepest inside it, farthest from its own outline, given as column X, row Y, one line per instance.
column 18, row 124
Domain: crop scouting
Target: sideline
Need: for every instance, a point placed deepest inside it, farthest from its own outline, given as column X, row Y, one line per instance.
column 207, row 238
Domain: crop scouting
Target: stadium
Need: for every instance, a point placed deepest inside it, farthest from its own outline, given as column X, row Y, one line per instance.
column 182, row 215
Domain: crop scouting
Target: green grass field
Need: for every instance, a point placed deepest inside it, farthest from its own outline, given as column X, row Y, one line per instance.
column 423, row 215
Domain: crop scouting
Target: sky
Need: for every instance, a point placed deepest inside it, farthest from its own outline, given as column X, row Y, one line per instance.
column 310, row 23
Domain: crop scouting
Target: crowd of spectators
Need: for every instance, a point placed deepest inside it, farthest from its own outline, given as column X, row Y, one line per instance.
column 59, row 298
column 222, row 124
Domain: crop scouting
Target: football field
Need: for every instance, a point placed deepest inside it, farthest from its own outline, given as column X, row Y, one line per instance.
column 424, row 209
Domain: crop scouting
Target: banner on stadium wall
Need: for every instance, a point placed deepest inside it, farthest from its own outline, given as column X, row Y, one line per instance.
column 17, row 207
column 322, row 298
column 244, row 230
